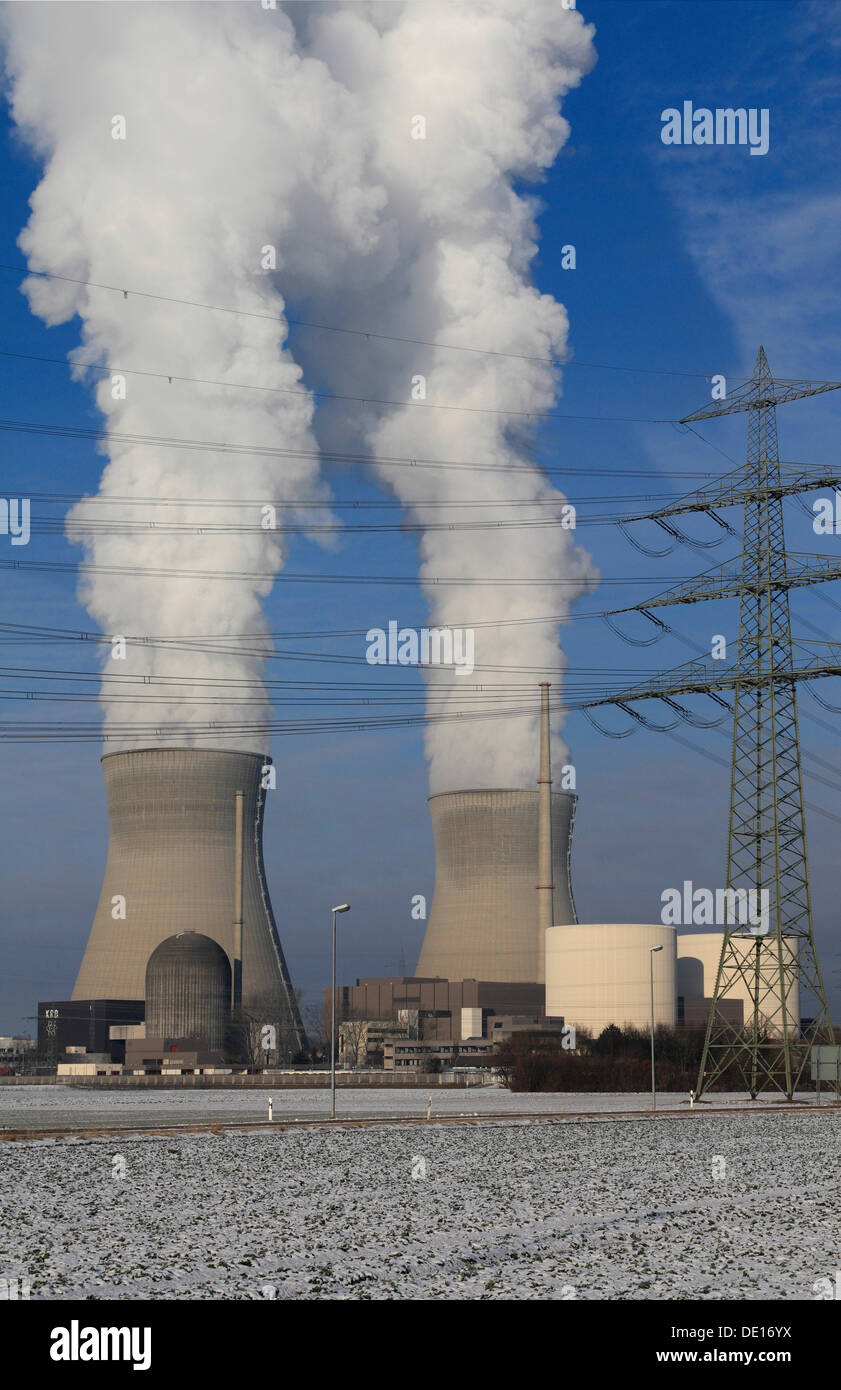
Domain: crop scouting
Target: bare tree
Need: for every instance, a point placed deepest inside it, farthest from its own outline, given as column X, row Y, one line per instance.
column 353, row 1041
column 262, row 1034
column 317, row 1025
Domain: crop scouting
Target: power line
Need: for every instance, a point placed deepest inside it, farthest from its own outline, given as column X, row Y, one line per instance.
column 90, row 529
column 174, row 682
column 17, row 731
column 282, row 577
column 724, row 762
column 311, row 394
column 269, row 451
column 321, row 503
column 332, row 328
column 27, row 631
column 307, row 392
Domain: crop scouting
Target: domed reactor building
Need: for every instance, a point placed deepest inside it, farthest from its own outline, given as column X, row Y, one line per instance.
column 184, row 916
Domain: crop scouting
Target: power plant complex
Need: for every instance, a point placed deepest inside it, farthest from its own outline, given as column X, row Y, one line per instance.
column 184, row 954
column 184, row 959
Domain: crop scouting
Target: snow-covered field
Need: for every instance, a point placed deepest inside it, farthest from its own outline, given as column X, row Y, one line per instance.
column 47, row 1107
column 737, row 1206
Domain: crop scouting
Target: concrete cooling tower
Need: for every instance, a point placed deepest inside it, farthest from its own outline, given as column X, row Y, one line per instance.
column 172, row 861
column 484, row 923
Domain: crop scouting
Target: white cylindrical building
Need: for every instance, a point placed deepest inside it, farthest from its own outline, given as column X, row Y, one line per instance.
column 600, row 973
column 698, row 958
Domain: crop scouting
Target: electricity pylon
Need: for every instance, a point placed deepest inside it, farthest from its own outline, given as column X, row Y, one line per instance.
column 770, row 956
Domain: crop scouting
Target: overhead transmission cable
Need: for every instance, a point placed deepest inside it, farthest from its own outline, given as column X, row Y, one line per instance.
column 366, row 333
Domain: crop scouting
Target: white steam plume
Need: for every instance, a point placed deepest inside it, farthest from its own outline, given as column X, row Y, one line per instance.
column 454, row 253
column 243, row 132
column 222, row 156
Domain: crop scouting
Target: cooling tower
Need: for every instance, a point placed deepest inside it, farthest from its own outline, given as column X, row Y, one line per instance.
column 171, row 860
column 188, row 990
column 484, row 923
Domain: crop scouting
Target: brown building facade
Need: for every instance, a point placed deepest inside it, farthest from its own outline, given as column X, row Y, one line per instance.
column 432, row 1007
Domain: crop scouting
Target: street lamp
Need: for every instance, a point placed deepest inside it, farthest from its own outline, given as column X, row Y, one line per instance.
column 651, row 951
column 343, row 907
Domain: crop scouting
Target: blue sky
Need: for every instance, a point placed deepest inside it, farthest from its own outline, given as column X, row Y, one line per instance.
column 687, row 259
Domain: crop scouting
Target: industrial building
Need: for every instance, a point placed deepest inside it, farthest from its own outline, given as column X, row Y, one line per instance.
column 170, row 1054
column 184, row 948
column 505, row 953
column 437, row 1008
column 400, row 1055
column 17, row 1054
column 95, row 1025
column 698, row 956
column 600, row 973
column 361, row 1042
column 503, row 907
column 410, row 1017
column 188, row 989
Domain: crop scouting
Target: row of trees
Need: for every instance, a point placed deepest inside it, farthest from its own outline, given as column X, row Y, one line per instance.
column 259, row 1036
column 619, row 1059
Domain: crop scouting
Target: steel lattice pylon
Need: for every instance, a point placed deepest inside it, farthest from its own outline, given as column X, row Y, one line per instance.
column 767, row 836
column 770, row 958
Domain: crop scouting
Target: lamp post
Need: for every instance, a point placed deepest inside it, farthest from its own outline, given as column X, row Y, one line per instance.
column 343, row 907
column 651, row 951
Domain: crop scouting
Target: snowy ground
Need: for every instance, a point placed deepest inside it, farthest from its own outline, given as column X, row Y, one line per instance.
column 47, row 1107
column 742, row 1206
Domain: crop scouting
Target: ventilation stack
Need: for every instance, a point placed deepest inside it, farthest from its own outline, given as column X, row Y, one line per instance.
column 545, row 884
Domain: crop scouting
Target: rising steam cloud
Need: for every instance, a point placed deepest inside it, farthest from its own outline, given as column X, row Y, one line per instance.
column 248, row 127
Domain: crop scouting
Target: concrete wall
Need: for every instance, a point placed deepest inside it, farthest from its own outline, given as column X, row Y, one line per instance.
column 598, row 974
column 471, row 1023
column 318, row 1081
column 483, row 923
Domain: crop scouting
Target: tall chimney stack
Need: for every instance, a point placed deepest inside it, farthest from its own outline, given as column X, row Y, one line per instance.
column 236, row 974
column 545, row 886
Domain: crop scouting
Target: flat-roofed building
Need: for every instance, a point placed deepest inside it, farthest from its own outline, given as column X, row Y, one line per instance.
column 436, row 1009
